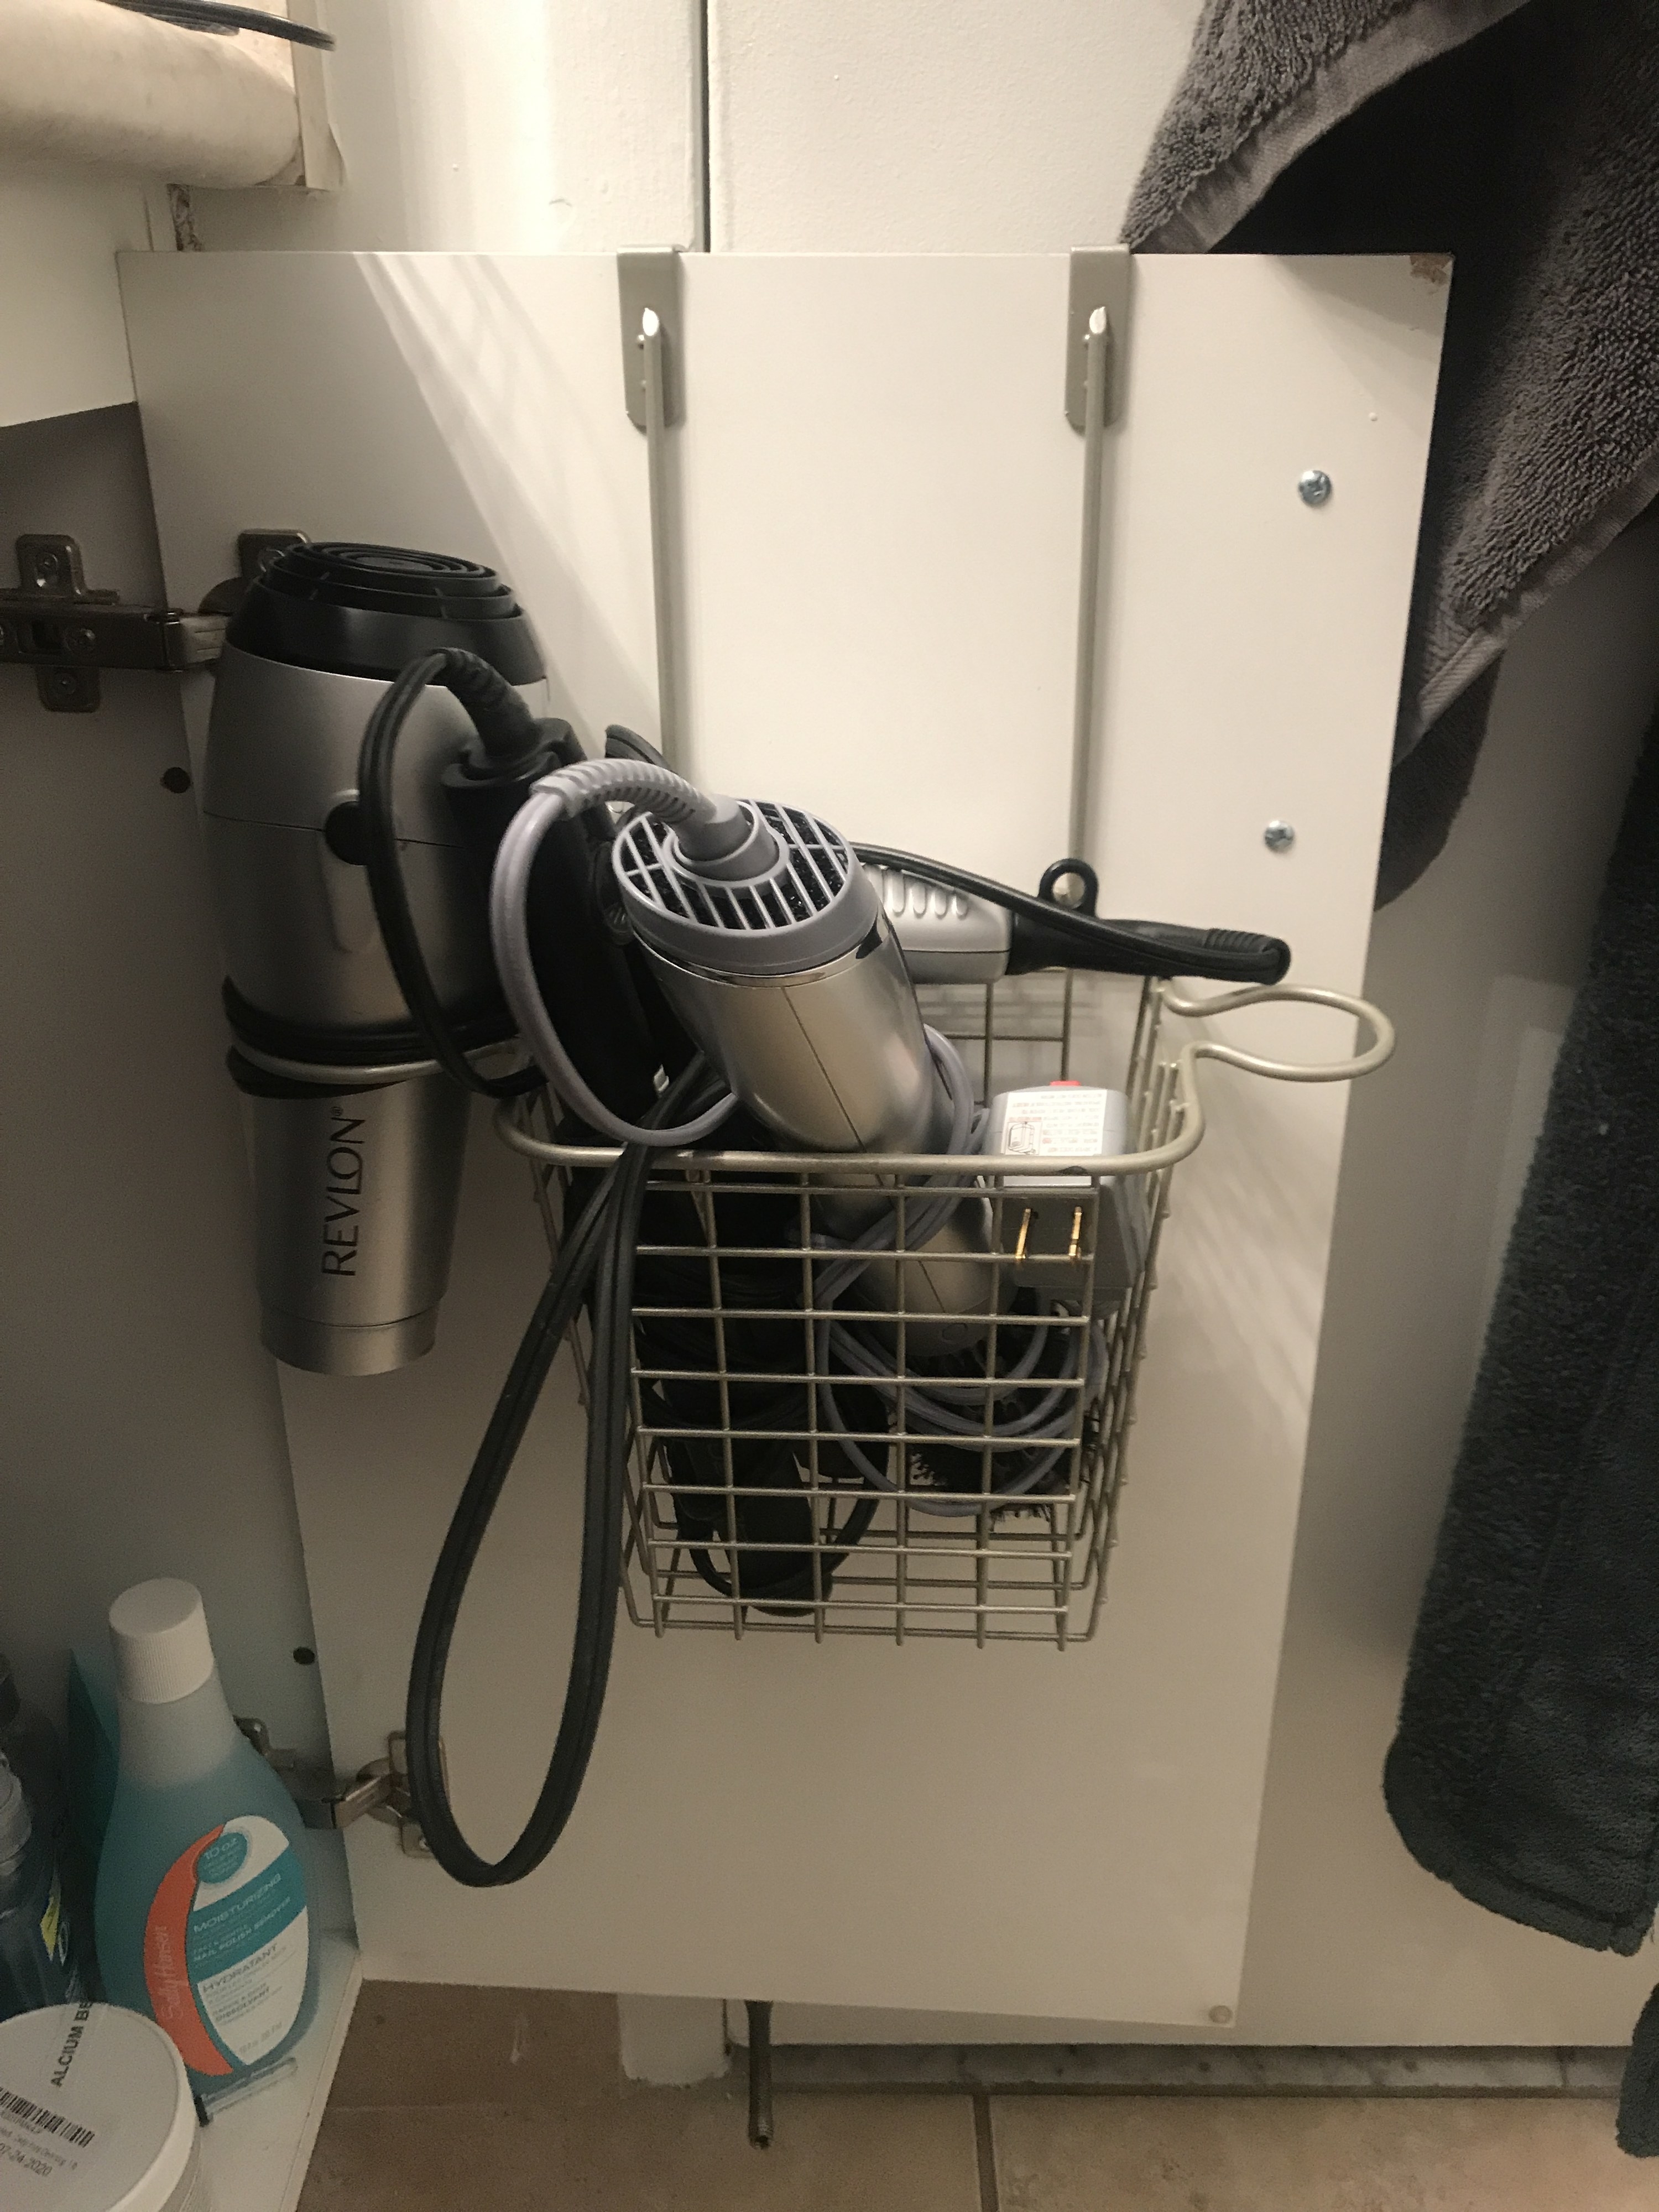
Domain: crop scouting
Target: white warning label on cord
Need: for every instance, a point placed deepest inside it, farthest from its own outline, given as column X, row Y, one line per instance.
column 1062, row 1121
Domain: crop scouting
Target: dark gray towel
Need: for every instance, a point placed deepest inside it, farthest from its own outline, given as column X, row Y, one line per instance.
column 1526, row 1768
column 1520, row 135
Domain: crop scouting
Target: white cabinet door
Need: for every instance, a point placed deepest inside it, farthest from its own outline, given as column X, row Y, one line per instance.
column 877, row 502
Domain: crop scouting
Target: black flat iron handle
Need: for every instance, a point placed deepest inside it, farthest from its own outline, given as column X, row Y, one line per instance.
column 1145, row 948
column 1046, row 935
column 1151, row 948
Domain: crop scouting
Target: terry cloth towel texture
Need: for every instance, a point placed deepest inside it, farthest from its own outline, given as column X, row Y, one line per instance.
column 1526, row 1768
column 1518, row 136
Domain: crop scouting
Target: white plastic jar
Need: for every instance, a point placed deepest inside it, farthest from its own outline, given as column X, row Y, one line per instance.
column 95, row 2115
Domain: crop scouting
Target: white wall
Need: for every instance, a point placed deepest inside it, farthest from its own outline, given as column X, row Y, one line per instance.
column 938, row 126
column 62, row 345
column 834, row 125
column 514, row 126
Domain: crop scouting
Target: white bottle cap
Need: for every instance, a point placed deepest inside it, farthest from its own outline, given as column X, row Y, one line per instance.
column 162, row 1650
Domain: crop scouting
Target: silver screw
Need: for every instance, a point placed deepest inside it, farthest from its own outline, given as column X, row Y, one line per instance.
column 1279, row 836
column 1315, row 486
column 1221, row 2015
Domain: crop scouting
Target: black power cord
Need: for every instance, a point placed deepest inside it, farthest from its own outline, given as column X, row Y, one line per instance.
column 508, row 733
column 224, row 20
column 599, row 1253
column 595, row 1264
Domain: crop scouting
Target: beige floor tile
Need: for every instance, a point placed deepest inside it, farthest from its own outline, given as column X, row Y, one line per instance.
column 1315, row 2154
column 651, row 2150
column 426, row 2044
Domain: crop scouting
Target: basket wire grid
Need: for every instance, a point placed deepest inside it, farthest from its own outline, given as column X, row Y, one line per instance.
column 771, row 1485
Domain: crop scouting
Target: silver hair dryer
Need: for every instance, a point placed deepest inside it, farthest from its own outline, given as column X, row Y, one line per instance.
column 771, row 945
column 357, row 1137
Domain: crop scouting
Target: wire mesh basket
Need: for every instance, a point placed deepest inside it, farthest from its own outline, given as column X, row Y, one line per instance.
column 930, row 1443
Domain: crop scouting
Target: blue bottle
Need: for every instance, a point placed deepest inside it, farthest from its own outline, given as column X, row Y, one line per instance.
column 37, row 1959
column 203, row 1919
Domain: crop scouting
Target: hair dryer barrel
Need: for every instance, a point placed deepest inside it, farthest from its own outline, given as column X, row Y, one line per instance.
column 834, row 1059
column 356, row 1196
column 794, row 984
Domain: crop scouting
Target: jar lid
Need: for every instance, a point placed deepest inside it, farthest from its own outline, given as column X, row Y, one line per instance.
column 95, row 2113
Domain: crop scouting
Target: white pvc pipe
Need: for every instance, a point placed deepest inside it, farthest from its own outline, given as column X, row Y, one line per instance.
column 83, row 81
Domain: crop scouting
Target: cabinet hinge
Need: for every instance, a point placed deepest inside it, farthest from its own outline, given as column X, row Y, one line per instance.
column 379, row 1789
column 67, row 632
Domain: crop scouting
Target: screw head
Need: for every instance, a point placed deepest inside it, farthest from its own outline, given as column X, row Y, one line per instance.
column 1315, row 486
column 1279, row 836
column 1221, row 2015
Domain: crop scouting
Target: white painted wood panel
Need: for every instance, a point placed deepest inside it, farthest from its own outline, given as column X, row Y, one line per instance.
column 256, row 2151
column 879, row 505
column 63, row 343
column 143, row 1432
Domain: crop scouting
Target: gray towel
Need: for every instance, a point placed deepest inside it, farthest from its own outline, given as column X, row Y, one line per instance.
column 1521, row 137
column 1526, row 1768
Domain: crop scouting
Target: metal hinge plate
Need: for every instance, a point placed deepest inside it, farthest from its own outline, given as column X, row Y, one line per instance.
column 381, row 1789
column 255, row 550
column 54, row 624
column 1101, row 277
column 648, row 276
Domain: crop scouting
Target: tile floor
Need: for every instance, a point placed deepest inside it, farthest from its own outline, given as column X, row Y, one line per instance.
column 511, row 2100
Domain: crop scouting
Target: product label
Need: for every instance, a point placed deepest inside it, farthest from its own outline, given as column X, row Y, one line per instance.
column 227, row 1944
column 54, row 1929
column 342, row 1192
column 49, row 2138
column 1061, row 1121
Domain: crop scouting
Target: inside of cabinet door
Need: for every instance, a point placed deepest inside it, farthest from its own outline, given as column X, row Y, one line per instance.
column 876, row 503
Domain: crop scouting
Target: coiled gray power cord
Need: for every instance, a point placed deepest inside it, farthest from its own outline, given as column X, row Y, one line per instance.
column 844, row 1346
column 709, row 828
